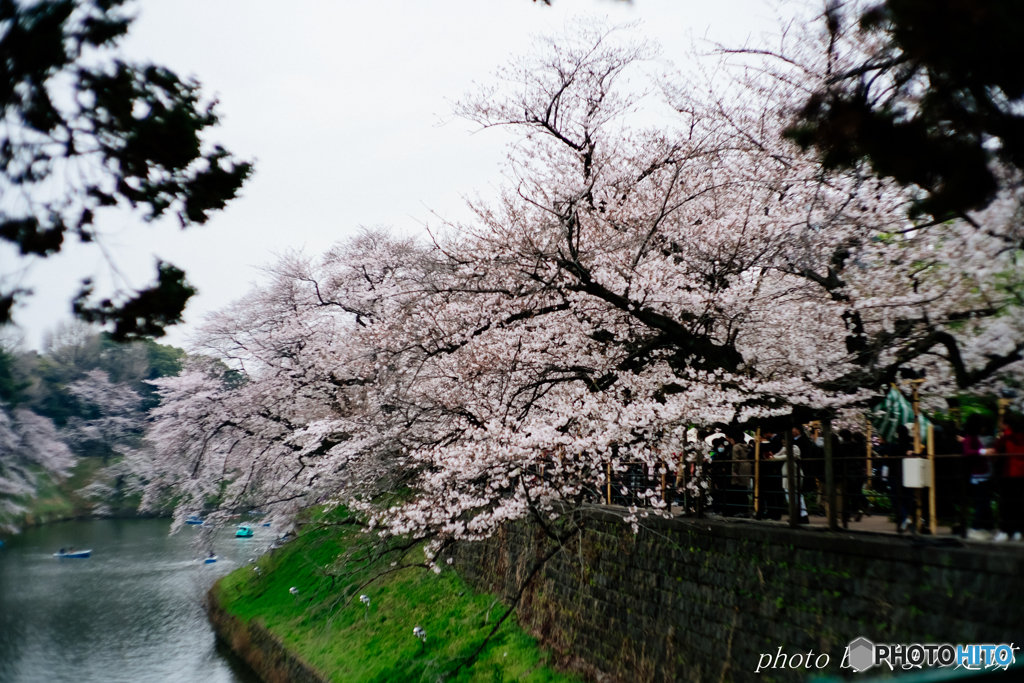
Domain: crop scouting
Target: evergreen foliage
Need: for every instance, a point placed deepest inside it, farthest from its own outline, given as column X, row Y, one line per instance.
column 931, row 101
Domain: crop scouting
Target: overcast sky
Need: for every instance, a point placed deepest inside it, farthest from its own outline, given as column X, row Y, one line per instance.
column 345, row 106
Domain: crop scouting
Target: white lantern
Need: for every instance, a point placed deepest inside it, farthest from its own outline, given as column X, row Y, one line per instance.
column 917, row 473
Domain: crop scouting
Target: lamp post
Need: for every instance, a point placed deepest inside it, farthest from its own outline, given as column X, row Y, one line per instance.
column 757, row 473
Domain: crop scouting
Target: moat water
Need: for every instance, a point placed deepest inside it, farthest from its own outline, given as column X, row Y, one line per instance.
column 131, row 613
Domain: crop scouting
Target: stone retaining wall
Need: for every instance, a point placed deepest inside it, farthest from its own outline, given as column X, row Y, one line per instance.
column 702, row 601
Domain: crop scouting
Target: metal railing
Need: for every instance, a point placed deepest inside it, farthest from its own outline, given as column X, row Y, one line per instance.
column 931, row 493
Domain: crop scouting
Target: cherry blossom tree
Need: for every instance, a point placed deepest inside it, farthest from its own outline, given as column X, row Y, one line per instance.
column 115, row 416
column 66, row 404
column 29, row 446
column 632, row 281
column 284, row 415
column 111, row 425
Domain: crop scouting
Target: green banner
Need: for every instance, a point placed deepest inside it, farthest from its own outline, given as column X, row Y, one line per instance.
column 894, row 411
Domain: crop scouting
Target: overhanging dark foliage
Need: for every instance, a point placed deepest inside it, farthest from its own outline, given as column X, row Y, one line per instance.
column 933, row 106
column 81, row 133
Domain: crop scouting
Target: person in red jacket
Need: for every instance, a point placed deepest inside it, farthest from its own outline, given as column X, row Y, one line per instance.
column 1011, row 483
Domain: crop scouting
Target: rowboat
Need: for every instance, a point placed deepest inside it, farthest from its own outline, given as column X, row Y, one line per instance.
column 243, row 531
column 210, row 560
column 73, row 553
column 194, row 519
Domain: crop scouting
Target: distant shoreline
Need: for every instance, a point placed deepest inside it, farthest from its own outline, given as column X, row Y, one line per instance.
column 29, row 520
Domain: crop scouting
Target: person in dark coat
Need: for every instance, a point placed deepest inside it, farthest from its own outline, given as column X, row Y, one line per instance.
column 720, row 469
column 811, row 462
column 899, row 495
column 981, row 475
column 773, row 496
column 854, row 451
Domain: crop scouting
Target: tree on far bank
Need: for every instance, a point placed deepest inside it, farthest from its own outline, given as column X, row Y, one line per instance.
column 84, row 396
column 13, row 378
column 30, row 447
column 74, row 349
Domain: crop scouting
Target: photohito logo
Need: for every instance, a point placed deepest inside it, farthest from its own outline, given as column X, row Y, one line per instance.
column 861, row 654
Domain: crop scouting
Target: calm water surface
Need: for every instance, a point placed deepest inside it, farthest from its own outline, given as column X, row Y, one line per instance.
column 132, row 612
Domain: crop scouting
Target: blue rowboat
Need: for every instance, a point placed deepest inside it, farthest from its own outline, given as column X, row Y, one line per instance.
column 243, row 531
column 210, row 560
column 194, row 519
column 73, row 553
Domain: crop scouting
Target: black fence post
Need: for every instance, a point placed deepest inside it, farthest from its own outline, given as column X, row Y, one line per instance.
column 757, row 474
column 608, row 482
column 791, row 479
column 830, row 475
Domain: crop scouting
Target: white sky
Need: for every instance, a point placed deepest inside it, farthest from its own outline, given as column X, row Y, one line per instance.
column 344, row 105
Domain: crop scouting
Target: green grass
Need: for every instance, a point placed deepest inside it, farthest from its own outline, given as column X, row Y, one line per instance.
column 83, row 473
column 329, row 628
column 51, row 501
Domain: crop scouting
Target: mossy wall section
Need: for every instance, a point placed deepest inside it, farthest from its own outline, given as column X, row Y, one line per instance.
column 699, row 600
column 258, row 648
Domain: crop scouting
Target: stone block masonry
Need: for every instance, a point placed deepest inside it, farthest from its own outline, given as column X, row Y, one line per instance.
column 701, row 600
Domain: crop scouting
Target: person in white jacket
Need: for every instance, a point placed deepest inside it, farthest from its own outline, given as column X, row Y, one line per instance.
column 781, row 455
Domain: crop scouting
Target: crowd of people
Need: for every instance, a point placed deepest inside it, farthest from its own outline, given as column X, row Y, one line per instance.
column 979, row 494
column 732, row 475
column 996, row 468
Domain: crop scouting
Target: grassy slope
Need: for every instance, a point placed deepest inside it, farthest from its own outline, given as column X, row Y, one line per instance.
column 335, row 635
